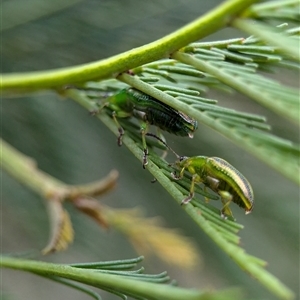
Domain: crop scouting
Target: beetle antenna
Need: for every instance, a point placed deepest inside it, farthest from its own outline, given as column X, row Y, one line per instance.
column 162, row 141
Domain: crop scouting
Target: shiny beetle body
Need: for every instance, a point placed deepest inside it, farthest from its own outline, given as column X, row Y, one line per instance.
column 131, row 102
column 221, row 177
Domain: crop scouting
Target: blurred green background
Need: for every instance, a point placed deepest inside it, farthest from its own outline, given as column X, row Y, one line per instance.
column 76, row 148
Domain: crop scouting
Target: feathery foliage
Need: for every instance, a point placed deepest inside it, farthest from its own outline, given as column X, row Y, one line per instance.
column 192, row 69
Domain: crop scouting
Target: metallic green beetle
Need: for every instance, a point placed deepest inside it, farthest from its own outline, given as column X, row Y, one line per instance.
column 221, row 177
column 131, row 102
column 218, row 175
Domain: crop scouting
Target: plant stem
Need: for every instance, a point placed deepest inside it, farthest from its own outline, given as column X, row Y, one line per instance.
column 98, row 279
column 270, row 35
column 24, row 169
column 162, row 48
column 245, row 261
column 238, row 139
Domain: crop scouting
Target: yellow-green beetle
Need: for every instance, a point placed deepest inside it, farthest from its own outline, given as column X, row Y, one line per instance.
column 221, row 177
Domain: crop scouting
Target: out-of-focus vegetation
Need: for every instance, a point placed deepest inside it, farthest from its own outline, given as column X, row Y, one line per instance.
column 72, row 146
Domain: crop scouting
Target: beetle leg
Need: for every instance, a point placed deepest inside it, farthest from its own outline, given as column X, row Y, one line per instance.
column 174, row 175
column 160, row 135
column 98, row 110
column 212, row 182
column 120, row 128
column 144, row 129
column 226, row 199
column 145, row 160
column 177, row 177
column 192, row 193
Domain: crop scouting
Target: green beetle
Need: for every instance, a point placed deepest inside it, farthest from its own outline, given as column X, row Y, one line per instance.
column 218, row 175
column 131, row 102
column 221, row 177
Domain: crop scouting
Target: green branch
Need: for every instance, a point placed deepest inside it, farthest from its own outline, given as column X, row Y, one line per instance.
column 248, row 139
column 24, row 169
column 106, row 281
column 201, row 27
column 208, row 220
column 239, row 83
column 272, row 36
column 222, row 232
